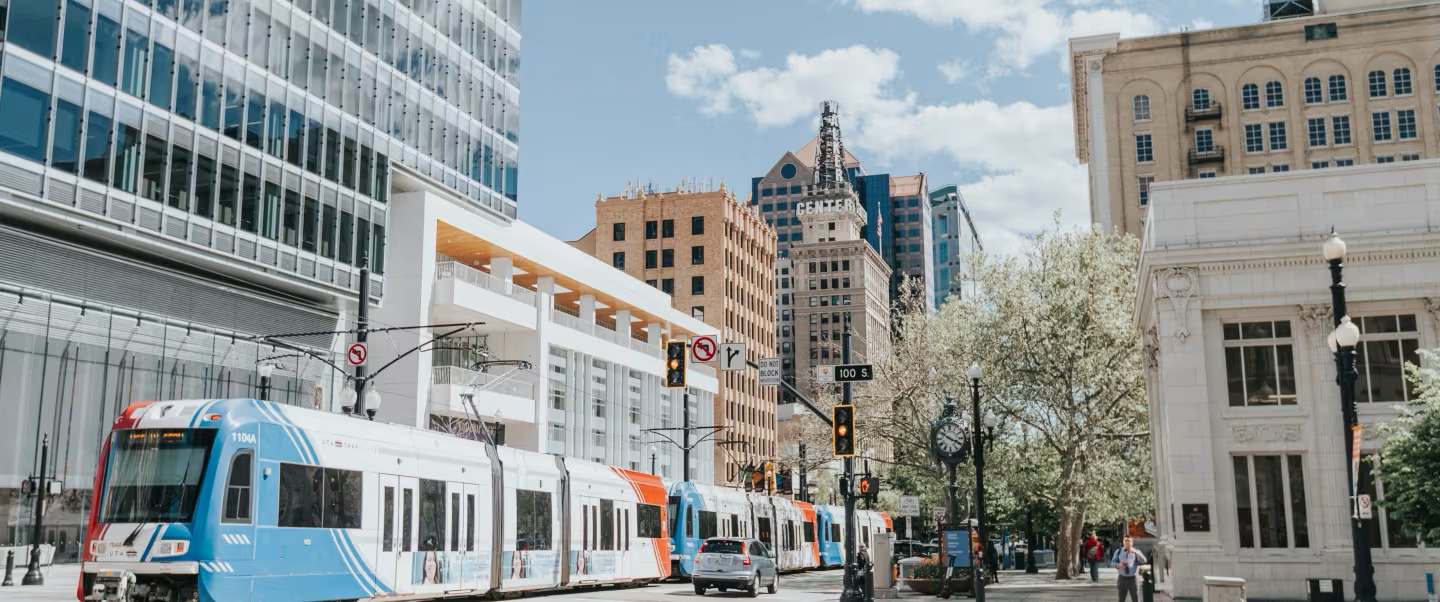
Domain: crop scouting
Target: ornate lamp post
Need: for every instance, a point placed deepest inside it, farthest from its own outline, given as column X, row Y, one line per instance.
column 1342, row 342
column 978, row 448
column 654, row 453
column 950, row 444
column 266, row 370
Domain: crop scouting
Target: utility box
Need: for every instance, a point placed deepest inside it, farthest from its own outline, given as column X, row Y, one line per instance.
column 1327, row 590
column 884, row 575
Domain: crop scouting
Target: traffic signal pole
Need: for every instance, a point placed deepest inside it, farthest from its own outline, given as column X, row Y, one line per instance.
column 853, row 592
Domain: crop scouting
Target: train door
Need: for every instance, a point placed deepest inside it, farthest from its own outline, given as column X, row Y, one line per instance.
column 453, row 550
column 385, row 559
column 587, row 509
column 407, row 519
column 475, row 573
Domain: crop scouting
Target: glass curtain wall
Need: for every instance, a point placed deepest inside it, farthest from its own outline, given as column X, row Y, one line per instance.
column 67, row 371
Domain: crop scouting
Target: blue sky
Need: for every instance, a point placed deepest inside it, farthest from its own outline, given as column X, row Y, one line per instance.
column 971, row 92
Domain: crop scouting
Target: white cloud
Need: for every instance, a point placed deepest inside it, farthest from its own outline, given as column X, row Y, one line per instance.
column 954, row 70
column 1025, row 30
column 747, row 53
column 1024, row 151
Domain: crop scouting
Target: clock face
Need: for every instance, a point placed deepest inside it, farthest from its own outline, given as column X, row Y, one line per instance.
column 950, row 439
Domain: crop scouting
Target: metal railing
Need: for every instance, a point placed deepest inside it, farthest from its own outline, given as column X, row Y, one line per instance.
column 1217, row 153
column 1209, row 111
column 519, row 384
column 449, row 268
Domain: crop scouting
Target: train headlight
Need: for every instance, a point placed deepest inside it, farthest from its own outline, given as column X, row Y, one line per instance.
column 98, row 547
column 171, row 548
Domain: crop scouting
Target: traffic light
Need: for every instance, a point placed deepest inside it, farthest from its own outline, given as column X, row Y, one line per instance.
column 674, row 364
column 844, row 418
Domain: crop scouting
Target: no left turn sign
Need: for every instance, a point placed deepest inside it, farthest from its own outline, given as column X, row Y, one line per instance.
column 357, row 354
column 703, row 348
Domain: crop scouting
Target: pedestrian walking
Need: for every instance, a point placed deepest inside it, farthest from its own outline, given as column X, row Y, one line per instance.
column 1092, row 552
column 992, row 562
column 1127, row 561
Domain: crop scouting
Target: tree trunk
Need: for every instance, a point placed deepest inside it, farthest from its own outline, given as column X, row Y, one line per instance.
column 1066, row 548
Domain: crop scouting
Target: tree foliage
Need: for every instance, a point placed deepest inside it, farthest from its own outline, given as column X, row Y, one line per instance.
column 1411, row 456
column 1053, row 332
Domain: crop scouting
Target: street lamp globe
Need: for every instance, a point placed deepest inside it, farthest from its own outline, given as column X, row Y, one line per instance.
column 1334, row 247
column 347, row 396
column 372, row 400
column 974, row 372
column 654, row 450
column 992, row 420
column 1330, row 341
column 266, row 369
column 1347, row 334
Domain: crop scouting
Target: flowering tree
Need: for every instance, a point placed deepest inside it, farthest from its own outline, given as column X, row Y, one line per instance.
column 1053, row 332
column 1411, row 459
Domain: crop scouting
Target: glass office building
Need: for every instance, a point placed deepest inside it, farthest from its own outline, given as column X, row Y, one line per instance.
column 177, row 176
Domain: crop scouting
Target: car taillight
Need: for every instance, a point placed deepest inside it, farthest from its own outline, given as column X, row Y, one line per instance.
column 747, row 561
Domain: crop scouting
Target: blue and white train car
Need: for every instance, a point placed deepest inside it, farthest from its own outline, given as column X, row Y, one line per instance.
column 241, row 499
column 698, row 512
column 830, row 521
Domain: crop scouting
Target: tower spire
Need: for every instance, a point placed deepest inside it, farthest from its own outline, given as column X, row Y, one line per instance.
column 830, row 152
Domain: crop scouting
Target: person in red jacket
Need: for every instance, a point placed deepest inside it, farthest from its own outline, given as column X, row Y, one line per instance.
column 1092, row 551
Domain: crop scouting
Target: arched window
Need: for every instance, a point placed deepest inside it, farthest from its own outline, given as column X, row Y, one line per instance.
column 1200, row 99
column 1141, row 108
column 1249, row 97
column 1403, row 86
column 1337, row 88
column 1274, row 94
column 1313, row 93
column 1377, row 84
column 237, row 488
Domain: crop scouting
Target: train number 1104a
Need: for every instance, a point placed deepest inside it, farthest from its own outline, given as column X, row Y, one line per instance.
column 243, row 437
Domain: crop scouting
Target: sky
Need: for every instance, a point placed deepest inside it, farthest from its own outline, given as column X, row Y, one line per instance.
column 970, row 92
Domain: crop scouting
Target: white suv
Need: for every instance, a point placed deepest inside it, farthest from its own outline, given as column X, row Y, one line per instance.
column 728, row 562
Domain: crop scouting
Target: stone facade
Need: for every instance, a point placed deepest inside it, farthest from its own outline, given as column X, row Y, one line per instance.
column 1182, row 106
column 716, row 258
column 1234, row 304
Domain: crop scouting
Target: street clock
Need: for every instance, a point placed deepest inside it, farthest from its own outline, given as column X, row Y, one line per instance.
column 949, row 439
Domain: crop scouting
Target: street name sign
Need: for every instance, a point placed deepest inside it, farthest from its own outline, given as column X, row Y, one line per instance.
column 732, row 356
column 853, row 373
column 769, row 371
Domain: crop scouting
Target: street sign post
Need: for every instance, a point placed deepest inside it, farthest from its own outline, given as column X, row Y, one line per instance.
column 769, row 372
column 909, row 505
column 1365, row 511
column 732, row 357
column 357, row 354
column 937, row 514
column 703, row 349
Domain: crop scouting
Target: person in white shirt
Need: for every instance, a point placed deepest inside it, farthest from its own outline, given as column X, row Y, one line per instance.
column 1127, row 561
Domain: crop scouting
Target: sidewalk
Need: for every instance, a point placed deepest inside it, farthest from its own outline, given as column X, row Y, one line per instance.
column 61, row 581
column 1042, row 587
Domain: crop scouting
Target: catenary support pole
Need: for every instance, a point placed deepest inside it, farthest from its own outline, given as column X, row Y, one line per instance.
column 41, row 486
column 362, row 327
column 853, row 591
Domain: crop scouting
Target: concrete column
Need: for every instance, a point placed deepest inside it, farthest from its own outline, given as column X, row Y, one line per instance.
column 656, row 336
column 587, row 308
column 544, row 300
column 503, row 268
column 622, row 325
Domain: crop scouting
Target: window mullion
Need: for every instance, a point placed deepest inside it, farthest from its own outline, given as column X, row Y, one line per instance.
column 1289, row 507
column 1254, row 503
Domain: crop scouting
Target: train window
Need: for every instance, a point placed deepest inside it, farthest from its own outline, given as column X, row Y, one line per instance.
column 455, row 522
column 432, row 515
column 594, row 527
column 690, row 525
column 707, row 525
column 584, row 527
column 810, row 531
column 407, row 511
column 607, row 525
column 672, row 510
column 865, row 535
column 237, row 489
column 765, row 530
column 532, row 520
column 734, row 525
column 627, row 529
column 834, row 532
column 301, row 496
column 388, row 532
column 342, row 499
column 647, row 521
column 470, row 524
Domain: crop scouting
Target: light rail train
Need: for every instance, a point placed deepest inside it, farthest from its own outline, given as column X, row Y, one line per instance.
column 240, row 499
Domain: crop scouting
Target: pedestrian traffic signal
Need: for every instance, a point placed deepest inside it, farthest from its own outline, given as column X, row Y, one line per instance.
column 870, row 488
column 844, row 419
column 674, row 364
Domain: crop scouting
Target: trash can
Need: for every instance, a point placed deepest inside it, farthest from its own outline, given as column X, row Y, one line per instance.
column 1327, row 590
column 1147, row 586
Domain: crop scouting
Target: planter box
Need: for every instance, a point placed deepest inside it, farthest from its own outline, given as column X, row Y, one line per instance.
column 930, row 587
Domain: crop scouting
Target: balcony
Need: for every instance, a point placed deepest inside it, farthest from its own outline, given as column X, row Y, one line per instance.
column 1209, row 111
column 1213, row 155
column 513, row 398
column 446, row 267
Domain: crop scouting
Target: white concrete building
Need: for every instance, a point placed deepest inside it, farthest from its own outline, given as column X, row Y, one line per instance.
column 591, row 333
column 1234, row 306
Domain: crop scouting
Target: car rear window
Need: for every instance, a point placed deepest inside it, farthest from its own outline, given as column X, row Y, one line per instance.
column 723, row 546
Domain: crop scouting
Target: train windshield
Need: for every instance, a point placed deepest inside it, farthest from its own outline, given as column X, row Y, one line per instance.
column 672, row 511
column 155, row 475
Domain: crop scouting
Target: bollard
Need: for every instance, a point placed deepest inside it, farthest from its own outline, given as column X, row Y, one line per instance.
column 1147, row 586
column 9, row 570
